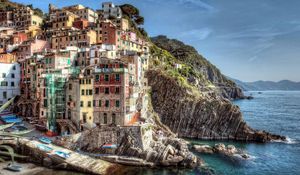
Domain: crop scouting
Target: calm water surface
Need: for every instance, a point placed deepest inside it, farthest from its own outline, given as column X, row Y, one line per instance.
column 274, row 111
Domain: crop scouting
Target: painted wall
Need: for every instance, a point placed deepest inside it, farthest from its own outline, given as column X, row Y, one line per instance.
column 9, row 81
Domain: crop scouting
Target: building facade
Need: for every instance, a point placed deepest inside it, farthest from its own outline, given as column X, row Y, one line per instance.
column 9, row 80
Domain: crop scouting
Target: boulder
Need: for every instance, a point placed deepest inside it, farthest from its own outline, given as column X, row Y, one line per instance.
column 203, row 149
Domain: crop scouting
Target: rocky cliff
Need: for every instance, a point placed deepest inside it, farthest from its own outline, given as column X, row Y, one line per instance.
column 209, row 73
column 191, row 95
column 199, row 116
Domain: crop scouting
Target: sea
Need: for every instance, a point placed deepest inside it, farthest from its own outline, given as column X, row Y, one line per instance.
column 277, row 112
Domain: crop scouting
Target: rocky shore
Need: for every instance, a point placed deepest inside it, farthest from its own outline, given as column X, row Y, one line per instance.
column 152, row 148
column 229, row 151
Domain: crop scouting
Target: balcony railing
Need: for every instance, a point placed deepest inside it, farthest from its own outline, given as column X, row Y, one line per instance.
column 110, row 70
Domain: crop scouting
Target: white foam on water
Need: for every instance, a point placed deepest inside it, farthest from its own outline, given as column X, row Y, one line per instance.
column 287, row 141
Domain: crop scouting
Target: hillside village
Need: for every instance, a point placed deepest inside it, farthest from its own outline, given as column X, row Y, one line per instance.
column 74, row 68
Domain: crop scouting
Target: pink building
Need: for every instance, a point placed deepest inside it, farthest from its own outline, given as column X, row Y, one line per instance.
column 28, row 48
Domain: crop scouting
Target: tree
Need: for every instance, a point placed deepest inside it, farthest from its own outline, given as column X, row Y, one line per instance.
column 143, row 32
column 130, row 10
column 30, row 6
column 139, row 20
column 38, row 12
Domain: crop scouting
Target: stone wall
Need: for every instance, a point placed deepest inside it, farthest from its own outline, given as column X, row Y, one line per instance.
column 92, row 140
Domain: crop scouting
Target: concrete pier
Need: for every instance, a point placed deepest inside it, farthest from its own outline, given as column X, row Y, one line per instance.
column 75, row 162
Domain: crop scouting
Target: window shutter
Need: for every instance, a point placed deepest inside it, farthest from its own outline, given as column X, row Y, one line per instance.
column 112, row 89
column 112, row 104
column 101, row 77
column 101, row 89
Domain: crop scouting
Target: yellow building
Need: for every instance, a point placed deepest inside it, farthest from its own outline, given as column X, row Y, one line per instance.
column 122, row 24
column 86, row 99
column 83, row 12
column 24, row 17
column 62, row 19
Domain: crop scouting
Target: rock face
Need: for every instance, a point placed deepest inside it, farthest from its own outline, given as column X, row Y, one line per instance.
column 144, row 146
column 203, row 117
column 187, row 54
column 229, row 152
column 165, row 152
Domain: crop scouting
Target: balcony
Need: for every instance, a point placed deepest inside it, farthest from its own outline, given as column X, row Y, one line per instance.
column 110, row 70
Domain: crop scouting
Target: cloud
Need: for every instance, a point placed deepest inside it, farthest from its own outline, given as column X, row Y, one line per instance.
column 198, row 4
column 253, row 58
column 196, row 34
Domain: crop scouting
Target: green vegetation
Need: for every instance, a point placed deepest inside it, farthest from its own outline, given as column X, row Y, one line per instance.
column 196, row 64
column 132, row 13
column 7, row 5
column 163, row 60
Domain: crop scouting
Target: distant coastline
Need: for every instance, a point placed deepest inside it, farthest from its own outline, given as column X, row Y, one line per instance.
column 284, row 85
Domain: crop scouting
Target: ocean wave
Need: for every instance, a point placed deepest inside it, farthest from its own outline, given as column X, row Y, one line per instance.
column 287, row 141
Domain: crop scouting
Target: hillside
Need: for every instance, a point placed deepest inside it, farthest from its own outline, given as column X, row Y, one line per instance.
column 8, row 5
column 207, row 72
column 284, row 85
column 192, row 99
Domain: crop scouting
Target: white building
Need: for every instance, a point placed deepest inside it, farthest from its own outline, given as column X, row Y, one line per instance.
column 9, row 81
column 110, row 10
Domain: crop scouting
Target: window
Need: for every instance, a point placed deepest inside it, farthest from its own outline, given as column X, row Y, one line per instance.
column 97, row 91
column 45, row 103
column 89, row 104
column 3, row 75
column 117, row 90
column 106, row 78
column 12, row 84
column 117, row 103
column 12, row 75
column 82, row 92
column 113, row 118
column 99, row 103
column 117, row 77
column 91, row 92
column 106, row 90
column 3, row 83
column 81, row 103
column 94, row 103
column 84, row 117
column 14, row 68
column 70, row 86
column 107, row 103
column 105, row 118
column 97, row 77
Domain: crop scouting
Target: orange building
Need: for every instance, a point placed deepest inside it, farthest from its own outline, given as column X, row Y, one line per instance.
column 7, row 58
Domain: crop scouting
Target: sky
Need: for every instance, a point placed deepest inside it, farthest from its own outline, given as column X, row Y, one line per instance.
column 248, row 40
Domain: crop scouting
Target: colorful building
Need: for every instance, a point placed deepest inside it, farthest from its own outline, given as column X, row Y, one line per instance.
column 9, row 79
column 24, row 18
column 111, row 10
column 83, row 12
column 29, row 47
column 73, row 37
